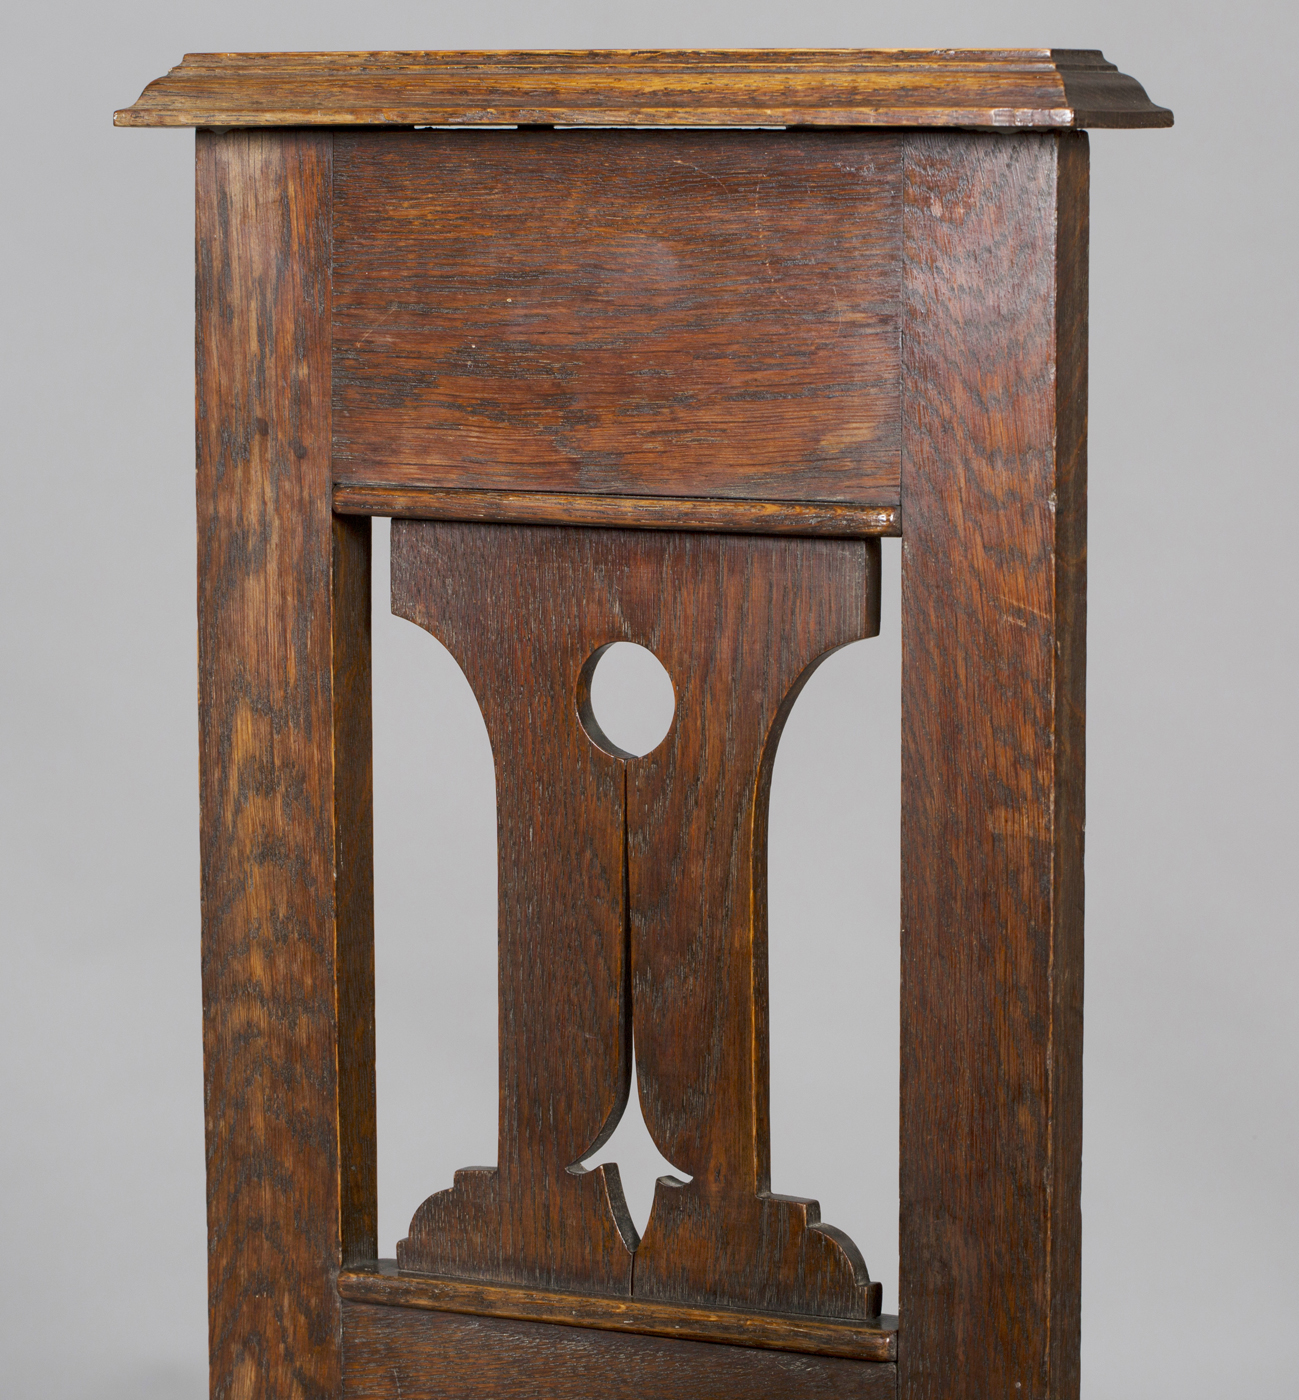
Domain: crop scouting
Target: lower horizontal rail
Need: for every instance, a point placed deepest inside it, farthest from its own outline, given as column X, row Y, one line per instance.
column 862, row 1341
column 850, row 520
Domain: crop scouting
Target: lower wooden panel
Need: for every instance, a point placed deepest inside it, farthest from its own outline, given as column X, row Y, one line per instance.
column 406, row 1354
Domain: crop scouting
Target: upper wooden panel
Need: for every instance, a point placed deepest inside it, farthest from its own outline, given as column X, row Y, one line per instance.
column 698, row 314
column 1026, row 88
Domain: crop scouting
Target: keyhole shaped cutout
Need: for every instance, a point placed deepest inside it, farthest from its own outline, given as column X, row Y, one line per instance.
column 625, row 700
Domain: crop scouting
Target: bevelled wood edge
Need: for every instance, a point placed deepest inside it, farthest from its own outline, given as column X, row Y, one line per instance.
column 1030, row 89
column 382, row 1283
column 848, row 521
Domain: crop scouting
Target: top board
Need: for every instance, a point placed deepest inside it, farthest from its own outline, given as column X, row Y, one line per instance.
column 1025, row 89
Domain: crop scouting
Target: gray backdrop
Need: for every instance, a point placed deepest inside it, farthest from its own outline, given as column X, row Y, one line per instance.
column 1191, row 1225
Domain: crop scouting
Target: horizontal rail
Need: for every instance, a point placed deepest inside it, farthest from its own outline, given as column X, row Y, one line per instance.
column 862, row 1341
column 845, row 520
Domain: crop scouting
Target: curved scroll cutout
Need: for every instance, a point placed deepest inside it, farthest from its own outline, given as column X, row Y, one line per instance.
column 435, row 959
column 639, row 1164
column 834, row 943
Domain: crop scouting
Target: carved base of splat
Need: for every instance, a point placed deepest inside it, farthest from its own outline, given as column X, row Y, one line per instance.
column 633, row 904
column 467, row 1232
column 766, row 1252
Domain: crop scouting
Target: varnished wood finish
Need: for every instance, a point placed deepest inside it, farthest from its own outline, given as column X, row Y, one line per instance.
column 685, row 314
column 617, row 384
column 354, row 890
column 1069, row 512
column 410, row 1354
column 284, row 779
column 406, row 502
column 741, row 625
column 382, row 1283
column 512, row 605
column 993, row 577
column 653, row 873
column 1016, row 88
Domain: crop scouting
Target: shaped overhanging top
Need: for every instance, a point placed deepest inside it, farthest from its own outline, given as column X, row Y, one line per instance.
column 1025, row 89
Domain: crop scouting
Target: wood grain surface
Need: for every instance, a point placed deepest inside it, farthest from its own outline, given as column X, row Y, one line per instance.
column 740, row 624
column 634, row 889
column 284, row 780
column 517, row 609
column 993, row 580
column 409, row 1354
column 354, row 891
column 692, row 331
column 1016, row 88
column 689, row 314
column 383, row 1283
column 629, row 512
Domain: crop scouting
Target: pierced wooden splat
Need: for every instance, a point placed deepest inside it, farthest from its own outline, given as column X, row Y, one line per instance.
column 633, row 902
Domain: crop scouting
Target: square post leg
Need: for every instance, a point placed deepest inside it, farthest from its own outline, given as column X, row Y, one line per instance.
column 993, row 619
column 285, row 780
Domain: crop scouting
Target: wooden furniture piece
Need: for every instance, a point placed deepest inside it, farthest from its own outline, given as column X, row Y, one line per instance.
column 618, row 381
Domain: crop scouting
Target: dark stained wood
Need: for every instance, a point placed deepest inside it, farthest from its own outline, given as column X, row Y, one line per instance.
column 382, row 1283
column 650, row 869
column 1073, row 174
column 688, row 314
column 740, row 623
column 409, row 1354
column 354, row 890
column 284, row 780
column 663, row 387
column 513, row 606
column 993, row 577
column 630, row 512
column 1016, row 88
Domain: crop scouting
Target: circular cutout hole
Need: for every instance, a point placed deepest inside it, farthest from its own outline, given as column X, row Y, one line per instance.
column 626, row 700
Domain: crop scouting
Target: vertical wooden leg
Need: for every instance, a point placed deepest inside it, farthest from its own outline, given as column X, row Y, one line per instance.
column 993, row 598
column 285, row 780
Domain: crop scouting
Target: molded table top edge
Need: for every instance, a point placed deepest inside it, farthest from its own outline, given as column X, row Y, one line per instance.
column 1023, row 89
